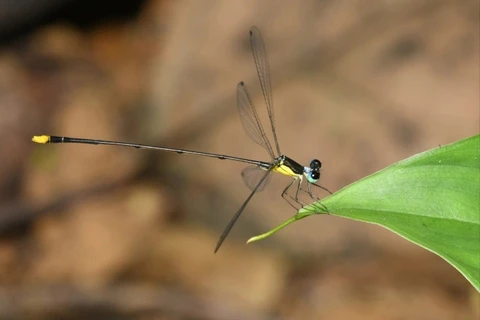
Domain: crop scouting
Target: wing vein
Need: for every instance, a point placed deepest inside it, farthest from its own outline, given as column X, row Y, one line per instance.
column 263, row 71
column 250, row 119
column 229, row 226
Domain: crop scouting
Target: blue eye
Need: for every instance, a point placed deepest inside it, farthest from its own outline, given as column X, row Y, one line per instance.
column 313, row 176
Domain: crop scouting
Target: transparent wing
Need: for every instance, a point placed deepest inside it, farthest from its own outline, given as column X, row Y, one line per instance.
column 263, row 71
column 250, row 120
column 230, row 225
column 252, row 175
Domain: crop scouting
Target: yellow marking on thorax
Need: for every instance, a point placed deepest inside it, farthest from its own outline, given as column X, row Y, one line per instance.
column 283, row 169
column 41, row 139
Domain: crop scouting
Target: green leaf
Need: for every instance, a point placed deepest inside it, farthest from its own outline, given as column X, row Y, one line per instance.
column 431, row 199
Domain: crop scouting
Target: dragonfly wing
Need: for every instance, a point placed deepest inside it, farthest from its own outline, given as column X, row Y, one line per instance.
column 263, row 71
column 252, row 175
column 250, row 120
column 230, row 225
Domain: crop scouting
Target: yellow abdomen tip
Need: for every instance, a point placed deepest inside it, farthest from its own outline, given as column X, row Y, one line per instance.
column 41, row 139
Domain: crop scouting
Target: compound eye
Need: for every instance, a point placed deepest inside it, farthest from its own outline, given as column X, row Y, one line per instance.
column 313, row 176
column 315, row 164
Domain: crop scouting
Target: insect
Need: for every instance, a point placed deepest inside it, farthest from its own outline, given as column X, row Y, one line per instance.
column 257, row 175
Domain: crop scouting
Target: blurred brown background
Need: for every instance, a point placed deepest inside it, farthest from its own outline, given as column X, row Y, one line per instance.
column 96, row 232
